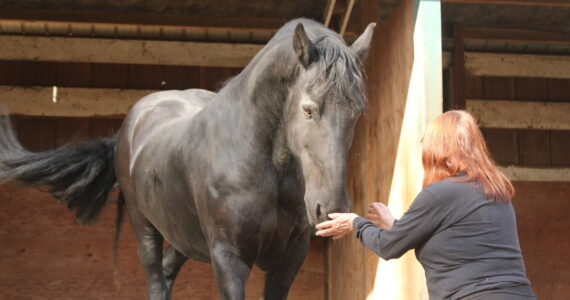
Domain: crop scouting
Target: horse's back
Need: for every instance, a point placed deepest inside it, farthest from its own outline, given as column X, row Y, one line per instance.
column 158, row 114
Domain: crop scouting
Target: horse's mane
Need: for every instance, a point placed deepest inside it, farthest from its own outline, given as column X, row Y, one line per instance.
column 337, row 68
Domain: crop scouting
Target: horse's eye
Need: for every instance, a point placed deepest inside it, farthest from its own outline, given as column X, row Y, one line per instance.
column 307, row 111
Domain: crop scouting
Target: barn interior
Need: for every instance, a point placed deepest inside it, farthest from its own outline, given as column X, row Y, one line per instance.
column 70, row 70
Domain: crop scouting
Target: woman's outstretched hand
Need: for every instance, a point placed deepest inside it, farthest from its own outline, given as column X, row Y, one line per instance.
column 339, row 225
column 380, row 215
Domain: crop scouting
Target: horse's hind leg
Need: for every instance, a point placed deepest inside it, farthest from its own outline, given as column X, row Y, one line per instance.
column 172, row 261
column 149, row 245
column 279, row 280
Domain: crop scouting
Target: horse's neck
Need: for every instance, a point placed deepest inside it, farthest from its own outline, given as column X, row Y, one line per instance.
column 258, row 98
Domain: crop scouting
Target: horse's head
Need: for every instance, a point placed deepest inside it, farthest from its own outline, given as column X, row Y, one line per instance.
column 326, row 99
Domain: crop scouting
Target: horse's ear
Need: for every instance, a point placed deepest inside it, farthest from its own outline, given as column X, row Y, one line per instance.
column 362, row 43
column 304, row 48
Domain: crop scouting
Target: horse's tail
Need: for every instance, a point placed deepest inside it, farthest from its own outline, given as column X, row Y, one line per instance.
column 80, row 176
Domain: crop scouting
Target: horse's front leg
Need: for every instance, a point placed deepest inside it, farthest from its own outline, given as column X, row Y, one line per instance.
column 279, row 280
column 230, row 270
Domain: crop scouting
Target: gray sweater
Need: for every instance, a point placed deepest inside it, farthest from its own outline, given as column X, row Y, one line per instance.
column 465, row 242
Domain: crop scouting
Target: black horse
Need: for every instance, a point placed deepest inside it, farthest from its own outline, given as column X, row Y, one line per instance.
column 232, row 178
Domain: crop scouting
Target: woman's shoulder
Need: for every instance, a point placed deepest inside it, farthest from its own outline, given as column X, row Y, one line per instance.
column 453, row 187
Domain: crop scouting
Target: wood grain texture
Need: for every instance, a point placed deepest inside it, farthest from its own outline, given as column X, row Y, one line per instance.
column 534, row 147
column 543, row 226
column 95, row 50
column 517, row 65
column 503, row 145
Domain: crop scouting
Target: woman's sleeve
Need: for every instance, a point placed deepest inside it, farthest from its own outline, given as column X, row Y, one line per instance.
column 421, row 220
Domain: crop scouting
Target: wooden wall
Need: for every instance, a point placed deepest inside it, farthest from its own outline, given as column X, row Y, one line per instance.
column 44, row 255
column 541, row 207
column 525, row 147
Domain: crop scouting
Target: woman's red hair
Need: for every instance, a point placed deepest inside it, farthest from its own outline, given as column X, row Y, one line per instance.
column 454, row 144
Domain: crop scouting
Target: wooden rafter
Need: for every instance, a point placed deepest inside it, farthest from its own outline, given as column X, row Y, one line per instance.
column 249, row 23
column 346, row 17
column 327, row 15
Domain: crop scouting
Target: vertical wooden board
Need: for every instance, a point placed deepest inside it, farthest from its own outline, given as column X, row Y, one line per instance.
column 37, row 133
column 104, row 127
column 503, row 145
column 559, row 89
column 560, row 147
column 530, row 89
column 534, row 147
column 110, row 75
column 473, row 87
column 74, row 74
column 501, row 88
column 181, row 77
column 72, row 130
column 40, row 73
column 146, row 77
column 543, row 226
column 10, row 72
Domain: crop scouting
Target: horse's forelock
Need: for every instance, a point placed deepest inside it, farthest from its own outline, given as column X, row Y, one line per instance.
column 338, row 70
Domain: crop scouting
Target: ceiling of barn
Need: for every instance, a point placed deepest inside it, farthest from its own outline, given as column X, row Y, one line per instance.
column 538, row 28
column 255, row 21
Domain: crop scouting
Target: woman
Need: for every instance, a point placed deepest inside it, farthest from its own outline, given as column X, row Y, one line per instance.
column 461, row 225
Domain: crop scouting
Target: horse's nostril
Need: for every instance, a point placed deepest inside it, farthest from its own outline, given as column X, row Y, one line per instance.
column 318, row 211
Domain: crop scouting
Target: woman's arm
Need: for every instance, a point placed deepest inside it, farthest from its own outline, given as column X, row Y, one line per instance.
column 422, row 219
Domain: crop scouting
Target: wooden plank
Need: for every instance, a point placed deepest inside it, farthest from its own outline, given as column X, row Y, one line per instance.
column 517, row 65
column 474, row 87
column 10, row 72
column 115, row 18
column 38, row 73
column 559, row 90
column 328, row 12
column 518, row 173
column 516, row 35
column 346, row 17
column 72, row 102
column 181, row 77
column 562, row 3
column 104, row 127
column 529, row 89
column 520, row 114
column 503, row 145
column 71, row 130
column 74, row 74
column 534, row 147
column 96, row 50
column 560, row 147
column 499, row 88
column 458, row 101
column 146, row 77
column 110, row 75
column 543, row 225
column 37, row 134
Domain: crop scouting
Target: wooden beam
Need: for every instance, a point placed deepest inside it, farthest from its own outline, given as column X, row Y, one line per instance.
column 458, row 101
column 327, row 14
column 517, row 65
column 114, row 18
column 346, row 17
column 516, row 35
column 563, row 3
column 520, row 173
column 520, row 114
column 70, row 102
column 95, row 50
